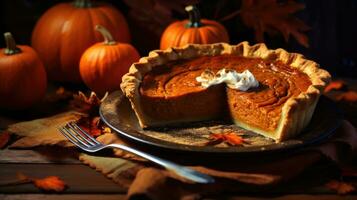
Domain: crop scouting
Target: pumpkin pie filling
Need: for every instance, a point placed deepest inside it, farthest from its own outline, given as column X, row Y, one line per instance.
column 171, row 91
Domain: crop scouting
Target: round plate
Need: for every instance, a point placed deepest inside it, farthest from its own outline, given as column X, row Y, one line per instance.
column 117, row 113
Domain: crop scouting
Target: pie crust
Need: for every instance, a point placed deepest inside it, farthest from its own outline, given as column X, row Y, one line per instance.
column 296, row 112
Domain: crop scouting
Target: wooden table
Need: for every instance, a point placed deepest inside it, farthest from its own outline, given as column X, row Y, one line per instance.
column 86, row 183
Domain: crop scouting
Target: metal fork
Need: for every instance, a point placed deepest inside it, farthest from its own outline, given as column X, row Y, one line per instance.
column 83, row 140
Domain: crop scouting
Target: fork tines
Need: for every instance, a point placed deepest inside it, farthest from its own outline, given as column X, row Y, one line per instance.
column 78, row 136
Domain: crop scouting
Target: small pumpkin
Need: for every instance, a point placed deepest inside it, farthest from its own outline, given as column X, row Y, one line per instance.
column 65, row 31
column 103, row 64
column 23, row 78
column 193, row 30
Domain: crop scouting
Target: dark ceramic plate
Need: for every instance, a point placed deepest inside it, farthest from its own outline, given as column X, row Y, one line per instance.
column 116, row 112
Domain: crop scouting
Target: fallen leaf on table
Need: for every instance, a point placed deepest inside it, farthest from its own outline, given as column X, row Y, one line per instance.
column 349, row 96
column 121, row 171
column 271, row 16
column 340, row 187
column 50, row 183
column 229, row 138
column 43, row 131
column 4, row 138
column 335, row 85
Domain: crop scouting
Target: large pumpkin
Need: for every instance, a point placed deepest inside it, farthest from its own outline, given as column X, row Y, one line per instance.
column 103, row 64
column 65, row 31
column 193, row 30
column 23, row 79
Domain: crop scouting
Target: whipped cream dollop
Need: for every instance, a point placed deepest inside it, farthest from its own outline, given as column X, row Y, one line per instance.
column 234, row 80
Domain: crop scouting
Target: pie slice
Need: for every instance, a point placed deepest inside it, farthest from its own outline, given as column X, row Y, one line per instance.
column 163, row 88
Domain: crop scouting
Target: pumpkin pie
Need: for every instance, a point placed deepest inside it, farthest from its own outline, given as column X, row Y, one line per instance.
column 164, row 90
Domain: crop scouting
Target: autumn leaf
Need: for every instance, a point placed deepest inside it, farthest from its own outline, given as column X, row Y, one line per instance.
column 229, row 138
column 349, row 96
column 155, row 15
column 4, row 138
column 335, row 85
column 88, row 105
column 340, row 187
column 93, row 126
column 50, row 183
column 233, row 139
column 271, row 16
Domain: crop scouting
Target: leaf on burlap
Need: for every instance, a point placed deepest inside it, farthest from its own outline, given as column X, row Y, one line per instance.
column 84, row 104
column 93, row 125
column 119, row 170
column 43, row 131
column 109, row 138
column 4, row 138
column 340, row 187
column 273, row 16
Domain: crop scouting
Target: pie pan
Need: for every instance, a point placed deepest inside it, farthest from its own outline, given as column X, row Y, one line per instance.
column 116, row 112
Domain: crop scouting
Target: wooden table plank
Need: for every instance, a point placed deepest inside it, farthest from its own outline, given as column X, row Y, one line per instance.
column 63, row 197
column 122, row 197
column 41, row 155
column 80, row 178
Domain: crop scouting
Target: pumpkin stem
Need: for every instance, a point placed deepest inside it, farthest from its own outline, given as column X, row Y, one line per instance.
column 194, row 16
column 108, row 38
column 83, row 3
column 11, row 47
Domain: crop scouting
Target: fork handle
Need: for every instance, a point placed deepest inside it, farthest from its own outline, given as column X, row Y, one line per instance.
column 176, row 168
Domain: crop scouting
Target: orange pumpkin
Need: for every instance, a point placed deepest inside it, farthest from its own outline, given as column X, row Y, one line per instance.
column 65, row 31
column 103, row 64
column 193, row 30
column 23, row 78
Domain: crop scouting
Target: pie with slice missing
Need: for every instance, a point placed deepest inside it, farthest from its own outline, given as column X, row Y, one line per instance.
column 164, row 91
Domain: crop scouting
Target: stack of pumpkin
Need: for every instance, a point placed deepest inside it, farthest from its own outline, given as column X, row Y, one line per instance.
column 67, row 47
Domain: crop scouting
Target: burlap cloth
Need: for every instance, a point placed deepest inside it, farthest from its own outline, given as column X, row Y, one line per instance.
column 236, row 175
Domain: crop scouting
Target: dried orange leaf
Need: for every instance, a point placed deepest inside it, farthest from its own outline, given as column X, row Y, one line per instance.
column 50, row 183
column 229, row 138
column 335, row 85
column 350, row 96
column 4, row 138
column 92, row 125
column 233, row 139
column 340, row 187
column 271, row 16
column 85, row 104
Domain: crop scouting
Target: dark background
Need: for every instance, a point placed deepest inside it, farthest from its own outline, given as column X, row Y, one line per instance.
column 332, row 36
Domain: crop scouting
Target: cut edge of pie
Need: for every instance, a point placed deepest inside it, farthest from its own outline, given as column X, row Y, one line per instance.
column 296, row 112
